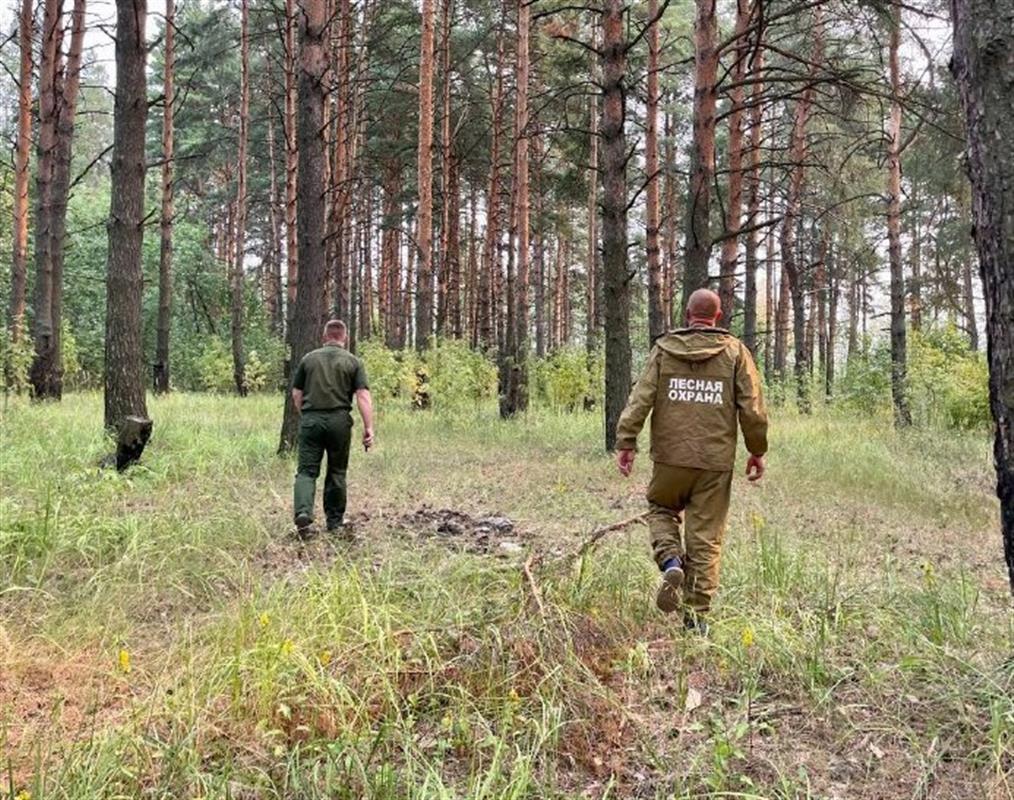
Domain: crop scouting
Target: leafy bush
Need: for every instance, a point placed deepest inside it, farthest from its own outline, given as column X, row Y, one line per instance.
column 15, row 360
column 564, row 380
column 384, row 368
column 948, row 383
column 457, row 376
column 215, row 366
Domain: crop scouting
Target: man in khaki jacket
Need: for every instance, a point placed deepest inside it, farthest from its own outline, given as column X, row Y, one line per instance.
column 699, row 385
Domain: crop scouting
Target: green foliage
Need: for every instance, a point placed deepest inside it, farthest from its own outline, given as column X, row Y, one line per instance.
column 15, row 359
column 948, row 382
column 565, row 379
column 385, row 369
column 458, row 376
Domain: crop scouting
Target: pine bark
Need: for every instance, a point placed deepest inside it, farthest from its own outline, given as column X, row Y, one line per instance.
column 656, row 315
column 753, row 201
column 165, row 259
column 237, row 272
column 424, row 289
column 291, row 165
column 594, row 262
column 734, row 207
column 124, row 370
column 983, row 65
column 968, row 303
column 309, row 310
column 517, row 384
column 19, row 262
column 702, row 151
column 490, row 265
column 899, row 347
column 273, row 279
column 616, row 295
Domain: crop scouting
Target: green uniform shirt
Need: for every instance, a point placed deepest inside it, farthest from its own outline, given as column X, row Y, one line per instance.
column 328, row 377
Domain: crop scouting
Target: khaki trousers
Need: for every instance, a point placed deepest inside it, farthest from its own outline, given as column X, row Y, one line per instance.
column 700, row 498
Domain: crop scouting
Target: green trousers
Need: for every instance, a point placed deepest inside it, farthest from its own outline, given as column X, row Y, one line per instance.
column 323, row 432
column 700, row 498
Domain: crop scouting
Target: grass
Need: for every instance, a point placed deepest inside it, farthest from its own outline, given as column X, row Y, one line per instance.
column 161, row 636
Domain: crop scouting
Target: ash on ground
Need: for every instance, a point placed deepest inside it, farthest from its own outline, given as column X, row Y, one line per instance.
column 493, row 534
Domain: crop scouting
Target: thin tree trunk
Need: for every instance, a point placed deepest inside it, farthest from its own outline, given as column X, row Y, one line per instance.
column 702, row 152
column 984, row 70
column 753, row 202
column 614, row 217
column 309, row 309
column 165, row 260
column 538, row 261
column 273, row 292
column 968, row 302
column 237, row 274
column 424, row 289
column 791, row 269
column 593, row 260
column 671, row 271
column 490, row 266
column 834, row 289
column 448, row 193
column 899, row 358
column 124, row 369
column 734, row 208
column 472, row 274
column 19, row 264
column 291, row 166
column 656, row 315
column 517, row 384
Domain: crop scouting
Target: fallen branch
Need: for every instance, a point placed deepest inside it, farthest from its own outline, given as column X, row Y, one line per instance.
column 532, row 585
column 600, row 533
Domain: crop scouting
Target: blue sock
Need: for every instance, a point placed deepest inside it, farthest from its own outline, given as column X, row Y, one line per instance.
column 670, row 563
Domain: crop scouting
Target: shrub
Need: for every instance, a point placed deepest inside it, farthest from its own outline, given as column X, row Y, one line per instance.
column 384, row 368
column 948, row 381
column 565, row 379
column 457, row 376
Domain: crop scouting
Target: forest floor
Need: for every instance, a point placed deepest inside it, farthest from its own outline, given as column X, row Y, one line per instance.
column 162, row 634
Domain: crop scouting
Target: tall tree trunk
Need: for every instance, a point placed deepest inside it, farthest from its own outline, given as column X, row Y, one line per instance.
column 124, row 372
column 614, row 217
column 834, row 289
column 273, row 288
column 472, row 272
column 390, row 253
column 968, row 303
column 702, row 151
column 42, row 322
column 19, row 263
column 791, row 268
column 449, row 200
column 424, row 289
column 59, row 81
column 671, row 270
column 984, row 69
column 734, row 208
column 517, row 385
column 770, row 308
column 165, row 259
column 309, row 309
column 237, row 273
column 656, row 315
column 899, row 357
column 490, row 266
column 539, row 260
column 593, row 267
column 753, row 202
column 291, row 166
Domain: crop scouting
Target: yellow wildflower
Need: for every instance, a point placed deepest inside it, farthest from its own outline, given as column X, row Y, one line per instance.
column 287, row 646
column 747, row 637
column 264, row 619
column 124, row 659
column 324, row 657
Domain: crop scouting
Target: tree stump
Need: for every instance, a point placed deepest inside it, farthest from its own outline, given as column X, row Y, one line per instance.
column 131, row 439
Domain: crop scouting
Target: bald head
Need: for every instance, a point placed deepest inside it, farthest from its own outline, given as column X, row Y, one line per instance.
column 704, row 308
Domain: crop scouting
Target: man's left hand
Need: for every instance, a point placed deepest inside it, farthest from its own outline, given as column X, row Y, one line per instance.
column 625, row 461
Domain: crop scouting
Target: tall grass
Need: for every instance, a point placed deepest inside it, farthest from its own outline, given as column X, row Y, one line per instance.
column 183, row 646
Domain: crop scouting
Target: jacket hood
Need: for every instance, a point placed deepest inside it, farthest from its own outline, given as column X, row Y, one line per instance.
column 695, row 344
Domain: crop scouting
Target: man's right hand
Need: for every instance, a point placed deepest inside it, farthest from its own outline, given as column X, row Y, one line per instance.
column 755, row 468
column 367, row 438
column 625, row 461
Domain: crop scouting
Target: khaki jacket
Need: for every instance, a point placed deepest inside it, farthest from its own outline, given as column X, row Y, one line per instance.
column 698, row 383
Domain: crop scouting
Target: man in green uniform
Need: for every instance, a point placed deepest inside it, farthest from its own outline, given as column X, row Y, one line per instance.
column 322, row 389
column 700, row 381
